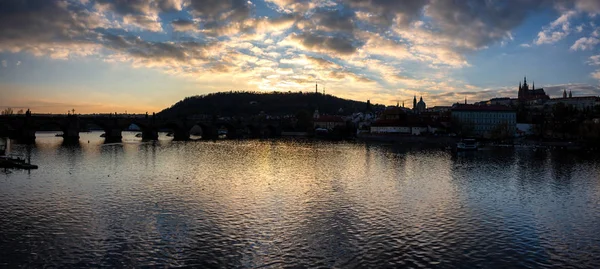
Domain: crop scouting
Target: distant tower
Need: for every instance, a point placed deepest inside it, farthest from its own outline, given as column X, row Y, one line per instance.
column 533, row 85
column 565, row 93
column 415, row 102
column 316, row 88
column 402, row 104
column 397, row 104
column 570, row 94
column 465, row 100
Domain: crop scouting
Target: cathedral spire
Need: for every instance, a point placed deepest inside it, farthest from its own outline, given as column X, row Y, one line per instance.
column 533, row 85
column 415, row 102
column 525, row 80
column 570, row 94
column 565, row 93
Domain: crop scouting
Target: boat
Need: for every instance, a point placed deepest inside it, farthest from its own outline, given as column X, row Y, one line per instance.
column 170, row 134
column 59, row 135
column 12, row 161
column 138, row 135
column 15, row 162
column 467, row 144
column 3, row 146
column 103, row 135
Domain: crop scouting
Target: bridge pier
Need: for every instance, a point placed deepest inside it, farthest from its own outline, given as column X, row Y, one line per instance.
column 112, row 135
column 71, row 130
column 151, row 134
column 181, row 135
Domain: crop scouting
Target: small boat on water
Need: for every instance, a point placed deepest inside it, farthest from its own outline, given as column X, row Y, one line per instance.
column 10, row 161
column 15, row 162
column 467, row 144
column 3, row 146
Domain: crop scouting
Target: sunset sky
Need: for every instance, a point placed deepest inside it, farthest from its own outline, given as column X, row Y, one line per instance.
column 145, row 55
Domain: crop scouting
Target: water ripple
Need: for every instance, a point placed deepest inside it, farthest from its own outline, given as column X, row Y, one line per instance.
column 301, row 204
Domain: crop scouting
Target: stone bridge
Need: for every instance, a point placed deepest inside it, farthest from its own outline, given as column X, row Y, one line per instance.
column 24, row 127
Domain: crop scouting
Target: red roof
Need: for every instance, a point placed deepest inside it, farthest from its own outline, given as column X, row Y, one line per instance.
column 481, row 108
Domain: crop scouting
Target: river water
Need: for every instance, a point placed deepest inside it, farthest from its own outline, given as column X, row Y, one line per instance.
column 285, row 203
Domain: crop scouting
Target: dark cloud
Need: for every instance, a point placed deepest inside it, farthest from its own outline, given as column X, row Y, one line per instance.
column 139, row 7
column 34, row 25
column 476, row 23
column 317, row 42
column 321, row 62
column 160, row 51
column 233, row 10
column 334, row 20
column 385, row 11
column 182, row 25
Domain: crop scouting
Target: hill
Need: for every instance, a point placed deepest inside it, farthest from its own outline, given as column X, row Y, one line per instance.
column 273, row 103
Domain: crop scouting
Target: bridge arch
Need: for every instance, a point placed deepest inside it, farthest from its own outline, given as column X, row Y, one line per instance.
column 179, row 130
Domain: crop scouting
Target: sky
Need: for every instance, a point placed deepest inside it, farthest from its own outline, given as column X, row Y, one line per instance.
column 140, row 56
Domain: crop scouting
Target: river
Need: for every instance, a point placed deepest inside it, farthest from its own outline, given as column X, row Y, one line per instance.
column 290, row 203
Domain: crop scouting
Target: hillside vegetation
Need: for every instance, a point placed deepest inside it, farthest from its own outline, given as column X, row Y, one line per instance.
column 253, row 103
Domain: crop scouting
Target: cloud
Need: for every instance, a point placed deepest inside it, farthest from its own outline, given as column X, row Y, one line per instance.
column 585, row 43
column 322, row 43
column 557, row 30
column 181, row 25
column 355, row 43
column 594, row 60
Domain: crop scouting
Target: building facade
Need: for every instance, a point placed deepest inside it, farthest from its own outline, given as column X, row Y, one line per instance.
column 579, row 102
column 485, row 121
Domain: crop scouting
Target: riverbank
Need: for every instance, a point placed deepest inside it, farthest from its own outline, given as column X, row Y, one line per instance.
column 448, row 141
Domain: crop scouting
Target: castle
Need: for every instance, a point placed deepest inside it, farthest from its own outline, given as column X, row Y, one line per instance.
column 526, row 94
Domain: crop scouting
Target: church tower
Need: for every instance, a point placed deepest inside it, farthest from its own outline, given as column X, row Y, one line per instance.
column 564, row 93
column 570, row 94
column 520, row 91
column 415, row 102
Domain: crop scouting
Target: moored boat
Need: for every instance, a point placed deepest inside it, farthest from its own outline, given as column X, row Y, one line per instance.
column 467, row 144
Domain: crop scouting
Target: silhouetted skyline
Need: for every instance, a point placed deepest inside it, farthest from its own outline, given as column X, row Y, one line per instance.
column 113, row 56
